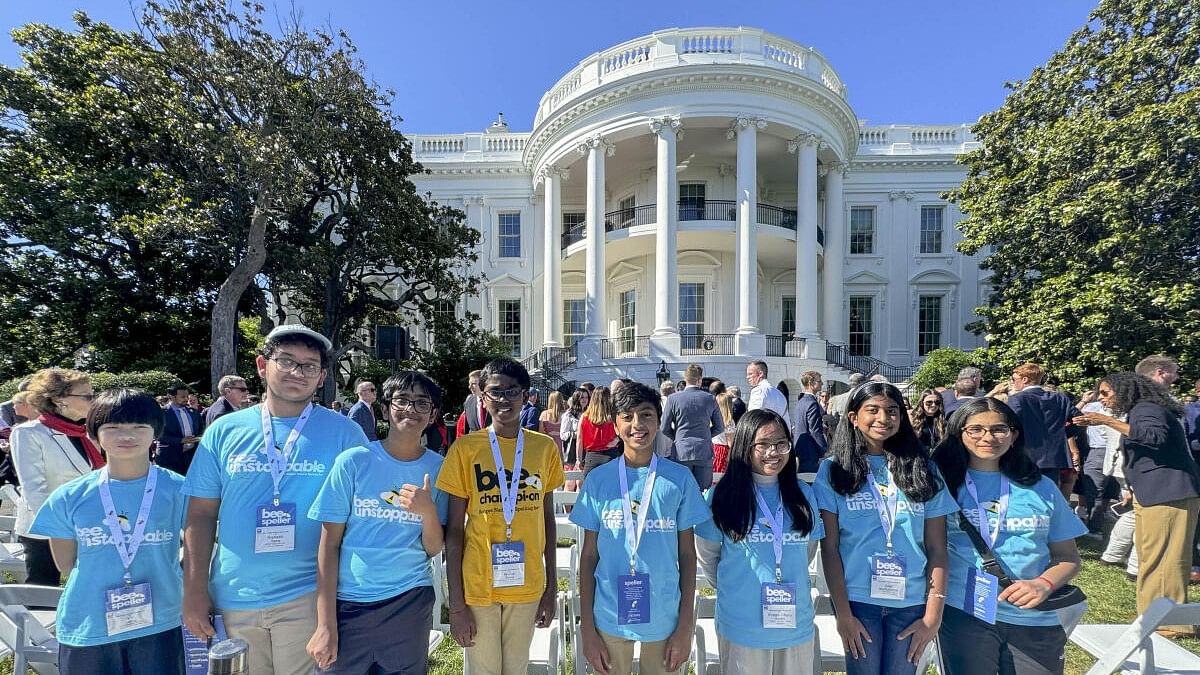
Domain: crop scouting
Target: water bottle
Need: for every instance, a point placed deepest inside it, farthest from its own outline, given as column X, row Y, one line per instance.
column 229, row 657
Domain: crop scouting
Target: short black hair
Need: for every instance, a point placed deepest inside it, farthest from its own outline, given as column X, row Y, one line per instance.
column 273, row 345
column 406, row 380
column 632, row 394
column 124, row 405
column 176, row 388
column 505, row 366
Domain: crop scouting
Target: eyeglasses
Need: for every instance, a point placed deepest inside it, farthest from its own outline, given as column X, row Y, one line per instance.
column 781, row 447
column 420, row 405
column 291, row 366
column 86, row 397
column 240, row 388
column 998, row 431
column 931, row 402
column 512, row 393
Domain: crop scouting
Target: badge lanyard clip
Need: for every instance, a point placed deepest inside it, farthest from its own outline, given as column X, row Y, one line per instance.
column 278, row 460
column 127, row 550
column 776, row 531
column 991, row 534
column 633, row 537
column 887, row 508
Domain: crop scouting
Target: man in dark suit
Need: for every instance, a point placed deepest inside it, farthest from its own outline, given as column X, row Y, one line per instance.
column 233, row 392
column 738, row 405
column 182, row 427
column 952, row 398
column 363, row 411
column 809, row 425
column 1045, row 415
column 474, row 415
column 691, row 419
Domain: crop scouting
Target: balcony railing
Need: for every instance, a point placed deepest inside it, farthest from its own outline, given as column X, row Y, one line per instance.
column 786, row 345
column 619, row 347
column 689, row 210
column 701, row 344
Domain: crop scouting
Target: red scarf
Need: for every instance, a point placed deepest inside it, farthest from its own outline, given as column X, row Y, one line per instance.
column 75, row 430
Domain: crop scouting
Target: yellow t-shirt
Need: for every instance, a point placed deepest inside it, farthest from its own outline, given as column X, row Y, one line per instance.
column 470, row 472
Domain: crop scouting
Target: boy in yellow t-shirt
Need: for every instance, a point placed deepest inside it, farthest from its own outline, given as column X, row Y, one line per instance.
column 501, row 562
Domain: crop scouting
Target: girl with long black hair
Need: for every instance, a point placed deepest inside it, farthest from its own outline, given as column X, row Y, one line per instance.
column 884, row 510
column 1030, row 529
column 756, row 546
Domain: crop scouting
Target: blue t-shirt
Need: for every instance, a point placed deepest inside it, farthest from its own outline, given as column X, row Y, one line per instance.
column 675, row 505
column 861, row 533
column 74, row 511
column 382, row 555
column 1037, row 516
column 746, row 564
column 231, row 465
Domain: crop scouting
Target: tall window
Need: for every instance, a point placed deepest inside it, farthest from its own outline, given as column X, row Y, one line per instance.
column 510, row 235
column 628, row 321
column 691, row 201
column 862, row 230
column 574, row 321
column 691, row 314
column 509, row 324
column 931, row 228
column 627, row 207
column 789, row 315
column 929, row 323
column 862, row 324
column 444, row 314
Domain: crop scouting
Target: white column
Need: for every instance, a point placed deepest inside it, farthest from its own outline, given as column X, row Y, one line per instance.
column 746, row 130
column 551, row 178
column 835, row 255
column 805, row 147
column 666, row 292
column 594, row 282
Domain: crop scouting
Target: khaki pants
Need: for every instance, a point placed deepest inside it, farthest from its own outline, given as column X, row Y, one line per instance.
column 277, row 635
column 503, row 634
column 620, row 656
column 738, row 660
column 1163, row 536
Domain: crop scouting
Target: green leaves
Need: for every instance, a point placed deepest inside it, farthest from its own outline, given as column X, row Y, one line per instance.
column 1087, row 190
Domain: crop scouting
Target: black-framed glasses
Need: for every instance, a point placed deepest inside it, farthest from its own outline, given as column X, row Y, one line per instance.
column 932, row 402
column 288, row 365
column 512, row 393
column 421, row 405
column 997, row 431
column 781, row 447
column 86, row 397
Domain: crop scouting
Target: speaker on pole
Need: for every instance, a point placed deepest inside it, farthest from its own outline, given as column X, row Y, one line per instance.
column 391, row 343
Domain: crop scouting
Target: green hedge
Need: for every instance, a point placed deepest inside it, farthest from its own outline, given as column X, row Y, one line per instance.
column 153, row 382
column 941, row 367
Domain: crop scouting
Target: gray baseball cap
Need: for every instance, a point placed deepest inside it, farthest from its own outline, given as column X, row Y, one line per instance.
column 299, row 329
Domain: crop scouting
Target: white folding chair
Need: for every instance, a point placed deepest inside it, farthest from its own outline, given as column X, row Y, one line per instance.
column 1136, row 648
column 26, row 633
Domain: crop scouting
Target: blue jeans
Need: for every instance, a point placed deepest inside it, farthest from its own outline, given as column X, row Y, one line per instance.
column 885, row 654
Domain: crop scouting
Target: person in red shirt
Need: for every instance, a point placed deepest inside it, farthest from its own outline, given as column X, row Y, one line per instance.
column 598, row 440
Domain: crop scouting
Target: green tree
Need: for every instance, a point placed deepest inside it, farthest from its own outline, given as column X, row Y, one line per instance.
column 1086, row 190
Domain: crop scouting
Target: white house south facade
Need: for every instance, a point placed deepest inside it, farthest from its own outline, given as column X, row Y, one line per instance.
column 746, row 213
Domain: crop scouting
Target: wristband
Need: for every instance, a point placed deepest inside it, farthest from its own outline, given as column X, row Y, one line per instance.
column 1051, row 583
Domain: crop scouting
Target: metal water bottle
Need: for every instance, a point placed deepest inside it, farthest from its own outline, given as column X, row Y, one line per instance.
column 229, row 657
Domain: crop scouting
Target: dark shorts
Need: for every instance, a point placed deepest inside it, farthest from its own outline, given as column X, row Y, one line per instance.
column 160, row 653
column 972, row 647
column 594, row 458
column 386, row 636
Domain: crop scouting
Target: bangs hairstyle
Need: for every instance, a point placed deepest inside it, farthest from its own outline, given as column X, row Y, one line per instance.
column 734, row 506
column 504, row 366
column 906, row 459
column 952, row 457
column 632, row 394
column 124, row 406
column 407, row 380
column 270, row 347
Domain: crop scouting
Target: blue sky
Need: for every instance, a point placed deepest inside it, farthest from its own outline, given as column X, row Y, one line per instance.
column 455, row 64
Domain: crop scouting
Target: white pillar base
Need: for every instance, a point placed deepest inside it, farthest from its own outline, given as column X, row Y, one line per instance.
column 750, row 343
column 588, row 352
column 665, row 346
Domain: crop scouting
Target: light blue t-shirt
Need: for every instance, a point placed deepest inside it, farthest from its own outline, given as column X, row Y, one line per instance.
column 382, row 555
column 1037, row 516
column 74, row 511
column 746, row 564
column 861, row 533
column 675, row 505
column 231, row 465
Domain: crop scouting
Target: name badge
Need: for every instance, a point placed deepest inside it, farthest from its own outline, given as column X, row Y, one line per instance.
column 508, row 564
column 984, row 589
column 888, row 580
column 633, row 599
column 128, row 608
column 778, row 605
column 275, row 528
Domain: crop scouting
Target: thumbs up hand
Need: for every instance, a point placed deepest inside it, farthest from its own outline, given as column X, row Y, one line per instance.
column 418, row 500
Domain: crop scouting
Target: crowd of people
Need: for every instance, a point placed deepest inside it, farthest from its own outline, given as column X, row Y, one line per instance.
column 309, row 534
